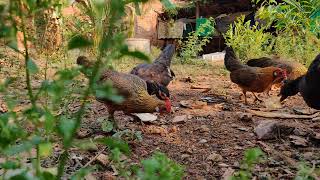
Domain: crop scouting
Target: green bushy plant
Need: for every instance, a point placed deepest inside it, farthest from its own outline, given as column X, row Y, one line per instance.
column 251, row 158
column 248, row 42
column 192, row 46
column 50, row 123
column 158, row 167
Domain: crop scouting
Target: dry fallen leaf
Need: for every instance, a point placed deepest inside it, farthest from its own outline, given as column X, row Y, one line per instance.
column 273, row 103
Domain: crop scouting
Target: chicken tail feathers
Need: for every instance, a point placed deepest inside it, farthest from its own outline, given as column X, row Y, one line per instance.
column 166, row 55
column 231, row 61
column 261, row 62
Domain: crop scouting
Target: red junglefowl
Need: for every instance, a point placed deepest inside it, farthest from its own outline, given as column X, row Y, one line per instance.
column 251, row 79
column 308, row 86
column 134, row 91
column 294, row 69
column 158, row 71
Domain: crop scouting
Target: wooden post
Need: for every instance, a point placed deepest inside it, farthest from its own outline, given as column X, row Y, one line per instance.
column 197, row 10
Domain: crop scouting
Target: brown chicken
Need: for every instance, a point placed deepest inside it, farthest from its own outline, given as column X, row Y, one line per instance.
column 134, row 91
column 251, row 79
column 158, row 71
column 294, row 69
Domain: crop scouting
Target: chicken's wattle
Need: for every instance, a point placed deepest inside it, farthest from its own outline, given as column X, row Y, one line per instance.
column 168, row 105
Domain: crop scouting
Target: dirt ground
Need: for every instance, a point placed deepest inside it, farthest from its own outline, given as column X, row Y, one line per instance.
column 210, row 136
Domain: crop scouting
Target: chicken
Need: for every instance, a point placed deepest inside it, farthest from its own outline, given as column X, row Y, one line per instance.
column 251, row 79
column 294, row 69
column 134, row 91
column 153, row 88
column 158, row 71
column 308, row 86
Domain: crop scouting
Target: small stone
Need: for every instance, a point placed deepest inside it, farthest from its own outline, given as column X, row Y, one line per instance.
column 298, row 141
column 190, row 117
column 244, row 117
column 179, row 119
column 82, row 133
column 228, row 174
column 238, row 148
column 204, row 129
column 266, row 129
column 287, row 153
column 300, row 132
column 203, row 141
column 185, row 156
column 214, row 157
column 103, row 159
column 89, row 177
column 226, row 107
column 236, row 164
column 186, row 104
column 223, row 165
column 308, row 156
column 243, row 129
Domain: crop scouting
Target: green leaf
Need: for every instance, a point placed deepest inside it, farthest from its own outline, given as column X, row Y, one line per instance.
column 32, row 67
column 168, row 4
column 79, row 41
column 113, row 143
column 107, row 126
column 13, row 45
column 47, row 176
column 10, row 165
column 21, row 176
column 45, row 149
column 79, row 175
column 85, row 144
column 23, row 146
column 136, row 54
column 66, row 128
column 49, row 123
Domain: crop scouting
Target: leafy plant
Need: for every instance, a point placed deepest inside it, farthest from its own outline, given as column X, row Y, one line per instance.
column 248, row 42
column 192, row 46
column 291, row 14
column 306, row 172
column 160, row 167
column 251, row 158
column 48, row 125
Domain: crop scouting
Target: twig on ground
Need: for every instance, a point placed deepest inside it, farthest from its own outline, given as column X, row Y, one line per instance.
column 282, row 115
column 94, row 158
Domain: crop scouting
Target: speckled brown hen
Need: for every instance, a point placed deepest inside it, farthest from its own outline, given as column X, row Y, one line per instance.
column 134, row 91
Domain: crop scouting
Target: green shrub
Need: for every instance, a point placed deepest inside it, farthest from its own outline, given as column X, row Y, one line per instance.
column 248, row 42
column 191, row 48
column 160, row 167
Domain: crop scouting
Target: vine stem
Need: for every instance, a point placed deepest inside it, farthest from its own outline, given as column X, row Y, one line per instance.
column 28, row 79
column 64, row 156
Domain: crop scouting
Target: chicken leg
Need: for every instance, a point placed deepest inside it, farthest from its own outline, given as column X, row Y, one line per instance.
column 256, row 98
column 245, row 97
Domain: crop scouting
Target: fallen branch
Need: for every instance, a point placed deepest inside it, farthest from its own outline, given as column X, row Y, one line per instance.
column 282, row 115
column 94, row 158
column 200, row 87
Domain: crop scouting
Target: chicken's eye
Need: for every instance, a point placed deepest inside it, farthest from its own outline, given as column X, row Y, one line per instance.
column 275, row 73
